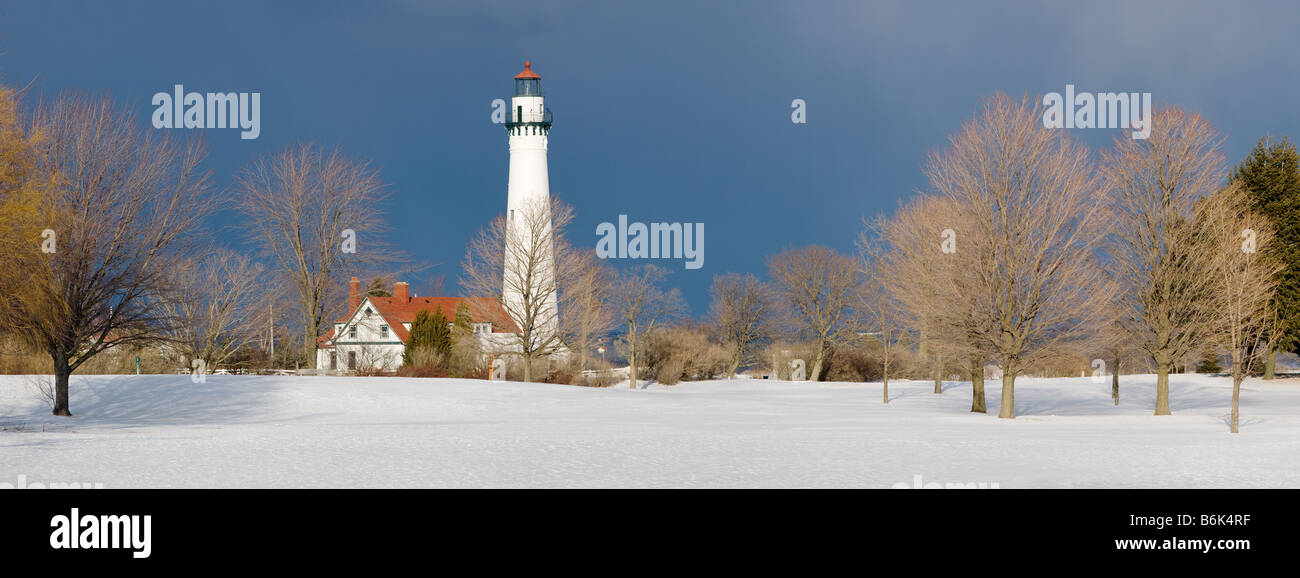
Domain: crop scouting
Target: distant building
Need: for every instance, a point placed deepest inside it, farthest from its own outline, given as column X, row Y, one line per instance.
column 374, row 332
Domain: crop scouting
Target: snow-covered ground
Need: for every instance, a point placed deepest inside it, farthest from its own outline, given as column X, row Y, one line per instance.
column 236, row 431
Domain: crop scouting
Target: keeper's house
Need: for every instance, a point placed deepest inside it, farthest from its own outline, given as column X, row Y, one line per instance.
column 373, row 335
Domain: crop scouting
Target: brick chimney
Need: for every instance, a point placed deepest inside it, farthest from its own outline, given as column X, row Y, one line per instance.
column 401, row 292
column 354, row 295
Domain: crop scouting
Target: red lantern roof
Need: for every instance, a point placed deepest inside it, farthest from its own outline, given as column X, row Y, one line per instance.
column 528, row 71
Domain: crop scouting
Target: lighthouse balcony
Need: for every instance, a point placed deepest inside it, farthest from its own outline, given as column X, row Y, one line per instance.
column 529, row 119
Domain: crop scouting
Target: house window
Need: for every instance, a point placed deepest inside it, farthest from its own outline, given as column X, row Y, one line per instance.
column 480, row 328
column 383, row 331
column 352, row 332
column 367, row 312
column 352, row 360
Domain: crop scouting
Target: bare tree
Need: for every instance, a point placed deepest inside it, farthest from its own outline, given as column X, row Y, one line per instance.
column 1245, row 272
column 1165, row 280
column 927, row 249
column 586, row 316
column 317, row 214
column 216, row 305
column 879, row 306
column 1113, row 343
column 275, row 306
column 641, row 304
column 740, row 316
column 126, row 205
column 1030, row 192
column 521, row 260
column 818, row 285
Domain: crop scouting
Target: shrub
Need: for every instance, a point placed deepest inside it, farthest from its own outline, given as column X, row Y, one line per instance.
column 559, row 376
column 428, row 332
column 465, row 358
column 852, row 364
column 17, row 359
column 423, row 362
column 1209, row 362
column 670, row 371
column 420, row 371
column 683, row 353
column 601, row 379
column 782, row 353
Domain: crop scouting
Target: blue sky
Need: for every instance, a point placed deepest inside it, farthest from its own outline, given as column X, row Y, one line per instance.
column 664, row 111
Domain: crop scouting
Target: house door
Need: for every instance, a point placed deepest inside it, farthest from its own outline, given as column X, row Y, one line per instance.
column 334, row 360
column 352, row 360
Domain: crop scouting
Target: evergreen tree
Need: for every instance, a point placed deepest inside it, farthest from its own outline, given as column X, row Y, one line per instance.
column 464, row 323
column 440, row 331
column 1209, row 362
column 427, row 332
column 378, row 288
column 1271, row 175
column 464, row 344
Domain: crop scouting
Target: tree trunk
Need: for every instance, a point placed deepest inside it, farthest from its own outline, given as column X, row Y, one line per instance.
column 1270, row 363
column 583, row 348
column 61, row 374
column 731, row 369
column 528, row 369
column 1162, row 389
column 921, row 353
column 938, row 374
column 977, row 402
column 1008, row 410
column 817, row 364
column 1114, row 381
column 1236, row 395
column 631, row 366
column 884, row 375
column 310, row 344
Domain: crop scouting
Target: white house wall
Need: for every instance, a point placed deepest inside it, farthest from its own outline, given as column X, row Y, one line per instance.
column 373, row 350
column 378, row 353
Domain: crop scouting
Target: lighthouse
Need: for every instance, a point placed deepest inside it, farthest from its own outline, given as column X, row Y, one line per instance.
column 528, row 255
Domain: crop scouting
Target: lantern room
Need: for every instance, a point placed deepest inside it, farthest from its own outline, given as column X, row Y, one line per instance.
column 528, row 83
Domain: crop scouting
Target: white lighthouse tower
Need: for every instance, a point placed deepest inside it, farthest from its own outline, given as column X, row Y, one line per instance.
column 528, row 259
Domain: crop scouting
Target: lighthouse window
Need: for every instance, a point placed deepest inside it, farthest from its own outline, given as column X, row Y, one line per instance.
column 527, row 87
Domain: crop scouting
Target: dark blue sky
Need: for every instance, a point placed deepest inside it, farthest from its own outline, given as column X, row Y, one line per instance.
column 664, row 111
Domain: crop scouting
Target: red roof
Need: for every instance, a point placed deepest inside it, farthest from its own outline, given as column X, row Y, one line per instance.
column 528, row 71
column 324, row 340
column 481, row 310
